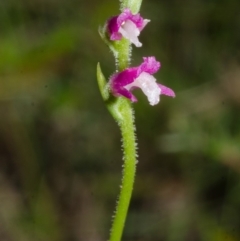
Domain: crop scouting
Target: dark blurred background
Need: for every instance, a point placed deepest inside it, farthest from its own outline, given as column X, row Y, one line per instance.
column 60, row 153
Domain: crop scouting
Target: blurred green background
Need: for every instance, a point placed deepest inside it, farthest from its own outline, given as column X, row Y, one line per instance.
column 60, row 154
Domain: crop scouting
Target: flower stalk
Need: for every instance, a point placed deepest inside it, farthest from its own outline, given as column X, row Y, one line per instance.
column 119, row 33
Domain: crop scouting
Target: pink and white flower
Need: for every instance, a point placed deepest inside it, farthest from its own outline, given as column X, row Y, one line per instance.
column 122, row 83
column 126, row 25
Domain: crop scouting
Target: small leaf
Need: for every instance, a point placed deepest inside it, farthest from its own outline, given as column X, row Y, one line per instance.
column 102, row 84
column 111, row 44
column 102, row 33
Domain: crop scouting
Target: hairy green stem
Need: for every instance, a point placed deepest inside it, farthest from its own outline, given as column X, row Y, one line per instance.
column 129, row 148
column 123, row 48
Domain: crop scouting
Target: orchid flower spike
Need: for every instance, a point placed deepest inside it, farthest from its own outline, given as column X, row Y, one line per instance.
column 122, row 83
column 126, row 25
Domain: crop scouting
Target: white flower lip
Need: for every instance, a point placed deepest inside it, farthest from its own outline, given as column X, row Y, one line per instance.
column 147, row 83
column 130, row 31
